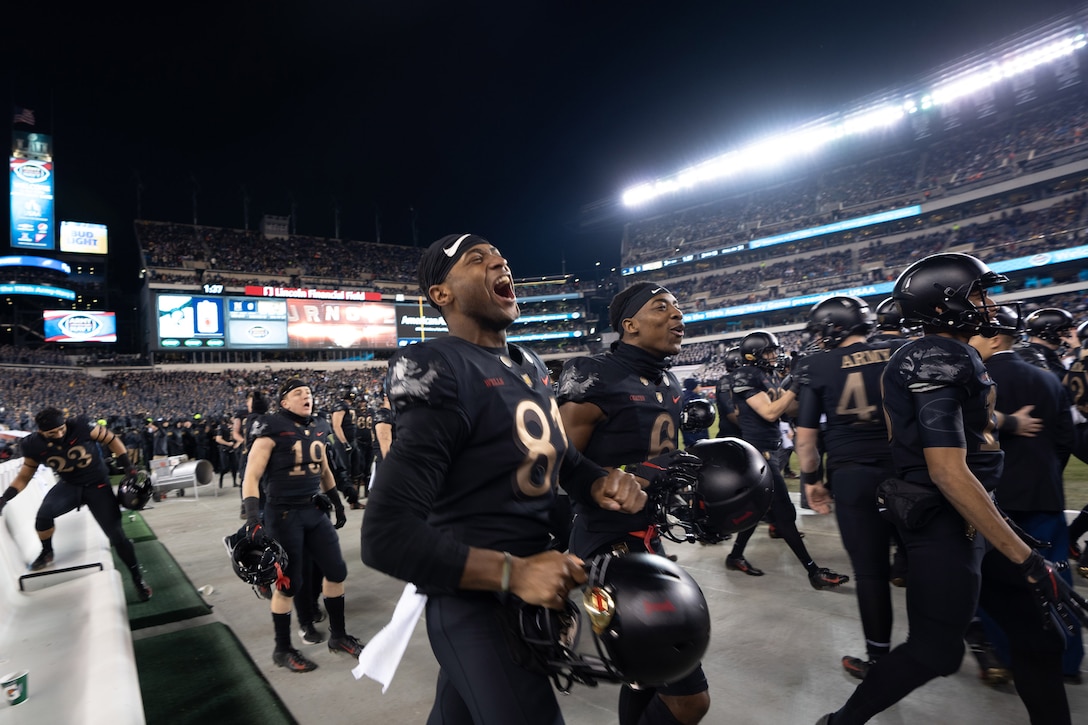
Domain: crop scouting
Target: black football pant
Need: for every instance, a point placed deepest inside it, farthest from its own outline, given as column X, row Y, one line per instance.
column 101, row 501
column 479, row 683
column 785, row 518
column 950, row 575
column 867, row 537
column 305, row 529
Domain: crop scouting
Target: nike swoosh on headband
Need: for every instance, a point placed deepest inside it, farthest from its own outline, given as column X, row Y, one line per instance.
column 656, row 290
column 452, row 249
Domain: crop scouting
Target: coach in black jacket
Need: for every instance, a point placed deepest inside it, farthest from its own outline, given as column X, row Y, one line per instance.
column 1031, row 491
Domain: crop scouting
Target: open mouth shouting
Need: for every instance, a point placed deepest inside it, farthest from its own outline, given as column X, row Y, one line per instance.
column 504, row 288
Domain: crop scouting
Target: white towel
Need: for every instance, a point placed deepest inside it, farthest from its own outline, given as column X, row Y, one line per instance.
column 382, row 654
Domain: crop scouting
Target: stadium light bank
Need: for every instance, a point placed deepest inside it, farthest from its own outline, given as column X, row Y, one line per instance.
column 779, row 149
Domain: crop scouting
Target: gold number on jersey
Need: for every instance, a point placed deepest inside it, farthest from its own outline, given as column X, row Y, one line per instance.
column 662, row 435
column 1074, row 382
column 76, row 457
column 317, row 454
column 533, row 431
column 854, row 400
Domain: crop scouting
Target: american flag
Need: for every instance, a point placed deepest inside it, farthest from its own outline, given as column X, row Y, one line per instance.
column 24, row 115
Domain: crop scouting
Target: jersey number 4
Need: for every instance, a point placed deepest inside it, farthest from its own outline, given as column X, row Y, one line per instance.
column 854, row 400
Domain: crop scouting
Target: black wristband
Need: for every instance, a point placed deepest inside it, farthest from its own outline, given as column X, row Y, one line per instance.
column 252, row 506
column 808, row 479
column 10, row 493
column 1010, row 424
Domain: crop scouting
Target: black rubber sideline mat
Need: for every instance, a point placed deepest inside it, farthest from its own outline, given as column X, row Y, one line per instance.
column 203, row 675
column 173, row 598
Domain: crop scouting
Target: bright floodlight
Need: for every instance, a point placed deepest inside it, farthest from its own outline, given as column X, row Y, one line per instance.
column 776, row 150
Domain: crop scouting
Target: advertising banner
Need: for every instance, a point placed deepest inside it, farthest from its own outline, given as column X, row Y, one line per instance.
column 82, row 326
column 419, row 322
column 32, row 221
column 83, row 238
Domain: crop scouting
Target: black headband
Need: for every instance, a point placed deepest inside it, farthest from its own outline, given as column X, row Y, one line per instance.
column 627, row 303
column 290, row 384
column 440, row 257
column 49, row 419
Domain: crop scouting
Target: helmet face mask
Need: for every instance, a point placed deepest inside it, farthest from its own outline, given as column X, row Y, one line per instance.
column 938, row 292
column 260, row 565
column 133, row 492
column 697, row 414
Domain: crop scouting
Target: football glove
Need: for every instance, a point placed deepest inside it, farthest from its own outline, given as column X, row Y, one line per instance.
column 1059, row 605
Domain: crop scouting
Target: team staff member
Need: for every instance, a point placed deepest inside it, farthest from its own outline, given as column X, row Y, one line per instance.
column 70, row 446
column 289, row 451
column 1030, row 491
column 623, row 407
column 843, row 384
column 760, row 404
column 463, row 498
column 939, row 403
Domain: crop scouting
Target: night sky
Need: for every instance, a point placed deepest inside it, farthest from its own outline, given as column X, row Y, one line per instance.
column 501, row 118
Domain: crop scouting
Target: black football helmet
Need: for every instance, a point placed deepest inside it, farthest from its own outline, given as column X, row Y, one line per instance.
column 262, row 565
column 935, row 291
column 755, row 345
column 733, row 359
column 650, row 618
column 833, row 320
column 1082, row 333
column 888, row 316
column 1010, row 317
column 697, row 414
column 134, row 491
column 734, row 490
column 1049, row 324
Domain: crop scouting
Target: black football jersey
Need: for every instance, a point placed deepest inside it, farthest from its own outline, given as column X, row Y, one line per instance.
column 76, row 458
column 893, row 341
column 844, row 385
column 1076, row 384
column 347, row 422
column 937, row 363
column 500, row 484
column 748, row 381
column 641, row 419
column 723, row 398
column 295, row 463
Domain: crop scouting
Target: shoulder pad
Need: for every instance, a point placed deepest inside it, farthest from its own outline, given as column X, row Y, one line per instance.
column 420, row 375
column 383, row 415
column 578, row 379
column 925, row 367
column 746, row 379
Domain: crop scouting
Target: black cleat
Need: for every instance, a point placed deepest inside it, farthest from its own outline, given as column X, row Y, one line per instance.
column 990, row 668
column 309, row 635
column 44, row 559
column 856, row 667
column 826, row 579
column 319, row 614
column 143, row 589
column 347, row 644
column 293, row 660
column 739, row 563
